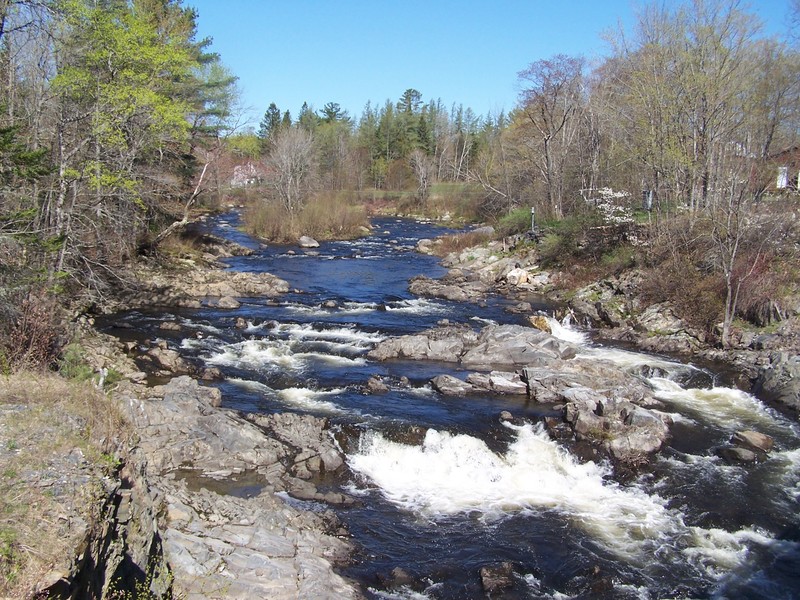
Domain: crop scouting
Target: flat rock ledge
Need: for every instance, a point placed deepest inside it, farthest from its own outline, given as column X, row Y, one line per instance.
column 191, row 286
column 222, row 545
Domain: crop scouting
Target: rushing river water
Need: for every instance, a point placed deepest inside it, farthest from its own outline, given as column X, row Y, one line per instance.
column 472, row 492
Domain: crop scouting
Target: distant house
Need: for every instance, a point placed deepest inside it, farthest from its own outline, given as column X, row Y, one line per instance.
column 246, row 175
column 787, row 173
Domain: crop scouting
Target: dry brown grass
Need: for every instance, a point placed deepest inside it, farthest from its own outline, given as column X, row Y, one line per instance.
column 459, row 242
column 57, row 439
column 324, row 217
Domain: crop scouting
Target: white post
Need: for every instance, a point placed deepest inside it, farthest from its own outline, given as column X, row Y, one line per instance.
column 533, row 216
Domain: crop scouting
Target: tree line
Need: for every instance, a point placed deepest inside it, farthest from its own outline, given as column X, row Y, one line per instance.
column 694, row 91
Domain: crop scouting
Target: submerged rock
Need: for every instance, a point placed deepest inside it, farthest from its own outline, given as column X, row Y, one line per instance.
column 496, row 578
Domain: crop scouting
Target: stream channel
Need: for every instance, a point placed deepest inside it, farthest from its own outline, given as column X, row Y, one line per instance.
column 478, row 492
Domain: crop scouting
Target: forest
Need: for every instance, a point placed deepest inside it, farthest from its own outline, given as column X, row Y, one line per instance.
column 676, row 153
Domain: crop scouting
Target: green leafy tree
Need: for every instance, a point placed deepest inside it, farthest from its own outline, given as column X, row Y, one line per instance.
column 120, row 101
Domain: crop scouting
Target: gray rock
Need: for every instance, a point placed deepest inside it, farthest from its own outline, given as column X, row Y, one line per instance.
column 515, row 346
column 496, row 578
column 499, row 382
column 736, row 454
column 752, row 440
column 425, row 246
column 228, row 302
column 455, row 288
column 445, row 343
column 780, row 380
column 225, row 546
column 376, row 386
column 169, row 360
column 307, row 242
column 451, row 386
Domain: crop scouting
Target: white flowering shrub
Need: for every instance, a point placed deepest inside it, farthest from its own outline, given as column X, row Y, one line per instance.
column 613, row 206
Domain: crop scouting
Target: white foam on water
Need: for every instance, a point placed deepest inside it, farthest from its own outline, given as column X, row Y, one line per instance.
column 249, row 384
column 402, row 593
column 302, row 398
column 726, row 407
column 565, row 331
column 331, row 359
column 790, row 462
column 357, row 308
column 202, row 326
column 718, row 552
column 458, row 474
column 633, row 361
column 484, row 321
column 451, row 474
column 311, row 400
column 255, row 354
column 416, row 306
column 342, row 334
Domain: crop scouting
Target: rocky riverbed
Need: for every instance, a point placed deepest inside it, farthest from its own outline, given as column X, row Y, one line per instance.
column 212, row 502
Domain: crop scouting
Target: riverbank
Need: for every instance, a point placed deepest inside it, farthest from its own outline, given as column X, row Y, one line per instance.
column 762, row 361
column 182, row 498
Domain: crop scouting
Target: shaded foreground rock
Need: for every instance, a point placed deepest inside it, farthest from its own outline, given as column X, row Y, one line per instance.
column 779, row 381
column 224, row 546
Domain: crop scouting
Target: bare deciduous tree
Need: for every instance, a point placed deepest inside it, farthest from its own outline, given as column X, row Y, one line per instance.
column 552, row 102
column 290, row 168
column 424, row 170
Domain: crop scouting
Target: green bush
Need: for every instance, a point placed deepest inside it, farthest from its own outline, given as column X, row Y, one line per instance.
column 72, row 364
column 517, row 221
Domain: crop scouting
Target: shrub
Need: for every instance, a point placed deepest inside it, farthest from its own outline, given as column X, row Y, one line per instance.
column 517, row 221
column 460, row 241
column 72, row 364
column 34, row 333
column 326, row 216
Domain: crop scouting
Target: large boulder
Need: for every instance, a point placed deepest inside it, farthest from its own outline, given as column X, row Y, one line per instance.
column 445, row 343
column 517, row 277
column 752, row 440
column 498, row 382
column 448, row 385
column 307, row 242
column 457, row 286
column 516, row 346
column 779, row 381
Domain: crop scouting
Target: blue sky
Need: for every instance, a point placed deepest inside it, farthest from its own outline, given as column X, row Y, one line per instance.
column 353, row 51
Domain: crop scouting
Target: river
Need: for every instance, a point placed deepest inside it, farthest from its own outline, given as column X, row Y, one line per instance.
column 444, row 488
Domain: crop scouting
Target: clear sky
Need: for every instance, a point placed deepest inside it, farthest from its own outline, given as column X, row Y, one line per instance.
column 353, row 51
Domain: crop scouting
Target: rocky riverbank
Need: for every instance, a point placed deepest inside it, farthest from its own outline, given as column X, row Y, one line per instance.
column 203, row 502
column 764, row 362
column 210, row 503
